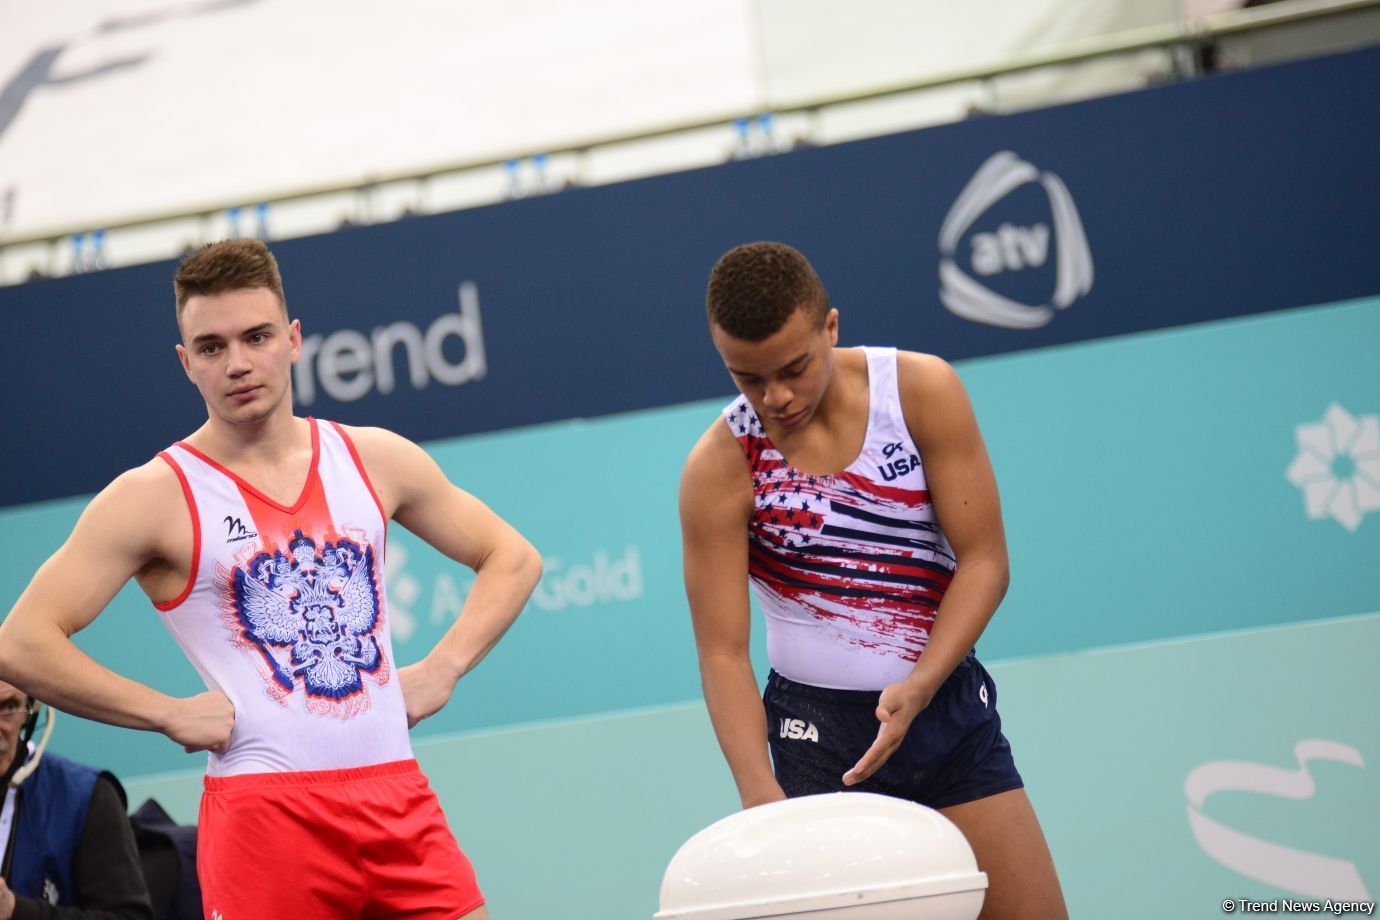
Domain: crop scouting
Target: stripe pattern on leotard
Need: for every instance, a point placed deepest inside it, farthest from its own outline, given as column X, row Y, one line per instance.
column 848, row 568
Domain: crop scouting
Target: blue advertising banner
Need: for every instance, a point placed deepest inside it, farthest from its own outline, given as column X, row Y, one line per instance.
column 1227, row 195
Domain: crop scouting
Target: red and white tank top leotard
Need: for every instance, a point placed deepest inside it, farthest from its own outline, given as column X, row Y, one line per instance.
column 285, row 613
column 849, row 568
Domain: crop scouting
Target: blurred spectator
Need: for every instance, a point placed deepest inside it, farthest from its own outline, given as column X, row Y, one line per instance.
column 68, row 849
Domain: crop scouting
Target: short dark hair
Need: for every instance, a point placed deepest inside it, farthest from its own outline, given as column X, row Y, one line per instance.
column 756, row 287
column 230, row 265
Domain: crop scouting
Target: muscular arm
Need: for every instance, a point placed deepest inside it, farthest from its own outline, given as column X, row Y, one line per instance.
column 106, row 873
column 116, row 538
column 417, row 494
column 964, row 491
column 715, row 506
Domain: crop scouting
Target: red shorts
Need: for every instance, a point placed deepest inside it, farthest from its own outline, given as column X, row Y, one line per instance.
column 358, row 843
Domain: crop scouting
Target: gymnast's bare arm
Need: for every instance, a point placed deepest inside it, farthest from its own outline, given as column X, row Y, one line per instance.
column 715, row 506
column 416, row 493
column 137, row 527
column 963, row 488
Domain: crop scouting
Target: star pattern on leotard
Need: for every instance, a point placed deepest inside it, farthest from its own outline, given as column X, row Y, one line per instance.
column 787, row 499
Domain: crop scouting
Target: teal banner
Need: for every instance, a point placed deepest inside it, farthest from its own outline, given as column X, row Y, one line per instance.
column 1171, row 778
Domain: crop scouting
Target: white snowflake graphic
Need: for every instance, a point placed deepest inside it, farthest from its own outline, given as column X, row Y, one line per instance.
column 1338, row 466
column 401, row 591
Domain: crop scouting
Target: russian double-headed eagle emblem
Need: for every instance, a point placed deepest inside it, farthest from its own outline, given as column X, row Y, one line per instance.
column 319, row 603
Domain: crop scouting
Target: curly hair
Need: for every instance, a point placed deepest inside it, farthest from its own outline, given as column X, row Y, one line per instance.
column 756, row 287
column 230, row 265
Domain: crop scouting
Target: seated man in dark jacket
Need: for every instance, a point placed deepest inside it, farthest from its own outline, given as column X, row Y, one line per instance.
column 66, row 848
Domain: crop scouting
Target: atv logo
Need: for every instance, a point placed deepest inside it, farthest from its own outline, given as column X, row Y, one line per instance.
column 1012, row 248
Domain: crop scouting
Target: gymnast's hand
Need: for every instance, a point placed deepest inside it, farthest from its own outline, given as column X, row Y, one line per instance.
column 202, row 723
column 425, row 689
column 897, row 707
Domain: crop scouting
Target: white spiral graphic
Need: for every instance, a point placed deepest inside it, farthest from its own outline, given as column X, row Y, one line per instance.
column 1299, row 871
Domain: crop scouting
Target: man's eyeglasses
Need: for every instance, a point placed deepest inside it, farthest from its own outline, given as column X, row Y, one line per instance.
column 11, row 710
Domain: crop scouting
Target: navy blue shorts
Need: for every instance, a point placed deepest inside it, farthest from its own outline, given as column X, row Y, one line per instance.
column 954, row 752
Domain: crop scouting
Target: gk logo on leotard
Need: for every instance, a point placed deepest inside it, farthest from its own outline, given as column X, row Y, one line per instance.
column 318, row 606
column 897, row 465
column 1012, row 248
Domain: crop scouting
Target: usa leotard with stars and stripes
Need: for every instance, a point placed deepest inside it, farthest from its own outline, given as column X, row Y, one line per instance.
column 849, row 568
